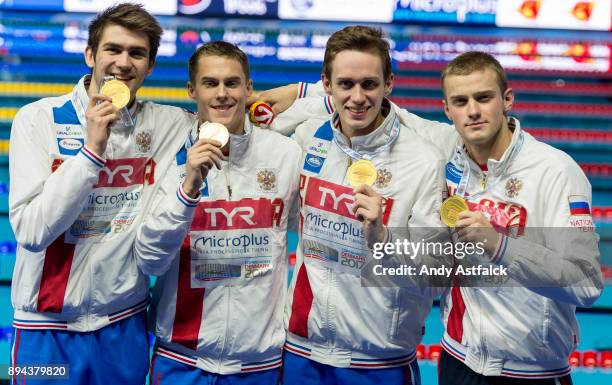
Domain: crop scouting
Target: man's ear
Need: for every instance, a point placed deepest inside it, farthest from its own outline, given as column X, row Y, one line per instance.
column 191, row 90
column 249, row 88
column 89, row 57
column 151, row 65
column 326, row 84
column 389, row 85
column 446, row 111
column 508, row 100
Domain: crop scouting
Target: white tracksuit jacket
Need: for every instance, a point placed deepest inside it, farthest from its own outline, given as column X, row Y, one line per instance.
column 331, row 318
column 75, row 215
column 219, row 306
column 527, row 328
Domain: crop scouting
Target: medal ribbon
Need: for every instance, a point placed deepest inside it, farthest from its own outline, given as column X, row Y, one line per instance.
column 392, row 131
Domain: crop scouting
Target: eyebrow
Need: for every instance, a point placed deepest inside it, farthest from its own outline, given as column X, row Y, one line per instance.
column 357, row 80
column 477, row 94
column 205, row 78
column 119, row 46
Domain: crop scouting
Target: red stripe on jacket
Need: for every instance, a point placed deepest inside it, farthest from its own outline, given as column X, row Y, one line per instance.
column 454, row 326
column 189, row 303
column 302, row 303
column 55, row 274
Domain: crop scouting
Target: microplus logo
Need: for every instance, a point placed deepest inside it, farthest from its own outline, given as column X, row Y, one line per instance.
column 461, row 7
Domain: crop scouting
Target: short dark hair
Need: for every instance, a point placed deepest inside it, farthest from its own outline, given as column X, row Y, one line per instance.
column 218, row 48
column 473, row 61
column 357, row 38
column 132, row 17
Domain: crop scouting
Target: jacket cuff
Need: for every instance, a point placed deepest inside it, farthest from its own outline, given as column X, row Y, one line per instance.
column 329, row 105
column 185, row 199
column 92, row 157
column 302, row 91
column 387, row 238
column 500, row 249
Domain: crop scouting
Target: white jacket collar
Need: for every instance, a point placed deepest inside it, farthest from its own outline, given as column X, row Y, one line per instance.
column 495, row 167
column 370, row 143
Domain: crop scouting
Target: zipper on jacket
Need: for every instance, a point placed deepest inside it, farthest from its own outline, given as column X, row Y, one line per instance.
column 483, row 182
column 328, row 306
column 90, row 262
column 349, row 163
column 227, row 328
column 228, row 179
column 484, row 354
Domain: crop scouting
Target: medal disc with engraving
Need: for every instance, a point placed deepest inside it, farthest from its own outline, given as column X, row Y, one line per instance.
column 362, row 172
column 451, row 207
column 117, row 91
column 214, row 131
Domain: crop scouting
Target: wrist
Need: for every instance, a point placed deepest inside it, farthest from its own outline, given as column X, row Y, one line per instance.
column 190, row 189
column 97, row 149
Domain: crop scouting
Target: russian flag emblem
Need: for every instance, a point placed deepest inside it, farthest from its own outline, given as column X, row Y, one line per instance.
column 579, row 205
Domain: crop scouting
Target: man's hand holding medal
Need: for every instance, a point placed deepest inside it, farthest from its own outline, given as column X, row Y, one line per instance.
column 203, row 155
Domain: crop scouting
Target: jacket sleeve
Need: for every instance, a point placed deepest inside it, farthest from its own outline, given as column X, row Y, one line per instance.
column 442, row 135
column 566, row 266
column 294, row 203
column 44, row 204
column 163, row 230
column 303, row 109
column 310, row 90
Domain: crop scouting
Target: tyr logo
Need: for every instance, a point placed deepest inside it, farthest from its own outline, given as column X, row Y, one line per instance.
column 335, row 198
column 126, row 172
column 245, row 213
column 348, row 199
column 236, row 215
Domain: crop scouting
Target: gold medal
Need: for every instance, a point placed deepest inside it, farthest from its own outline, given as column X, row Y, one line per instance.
column 361, row 172
column 451, row 207
column 214, row 131
column 117, row 91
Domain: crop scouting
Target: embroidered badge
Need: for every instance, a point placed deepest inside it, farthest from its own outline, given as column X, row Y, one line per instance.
column 383, row 177
column 143, row 141
column 266, row 178
column 513, row 186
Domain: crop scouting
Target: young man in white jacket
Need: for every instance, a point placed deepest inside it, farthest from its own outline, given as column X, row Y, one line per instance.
column 339, row 331
column 218, row 307
column 81, row 184
column 538, row 199
column 532, row 202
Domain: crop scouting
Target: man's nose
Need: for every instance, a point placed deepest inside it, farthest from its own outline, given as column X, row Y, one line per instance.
column 358, row 95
